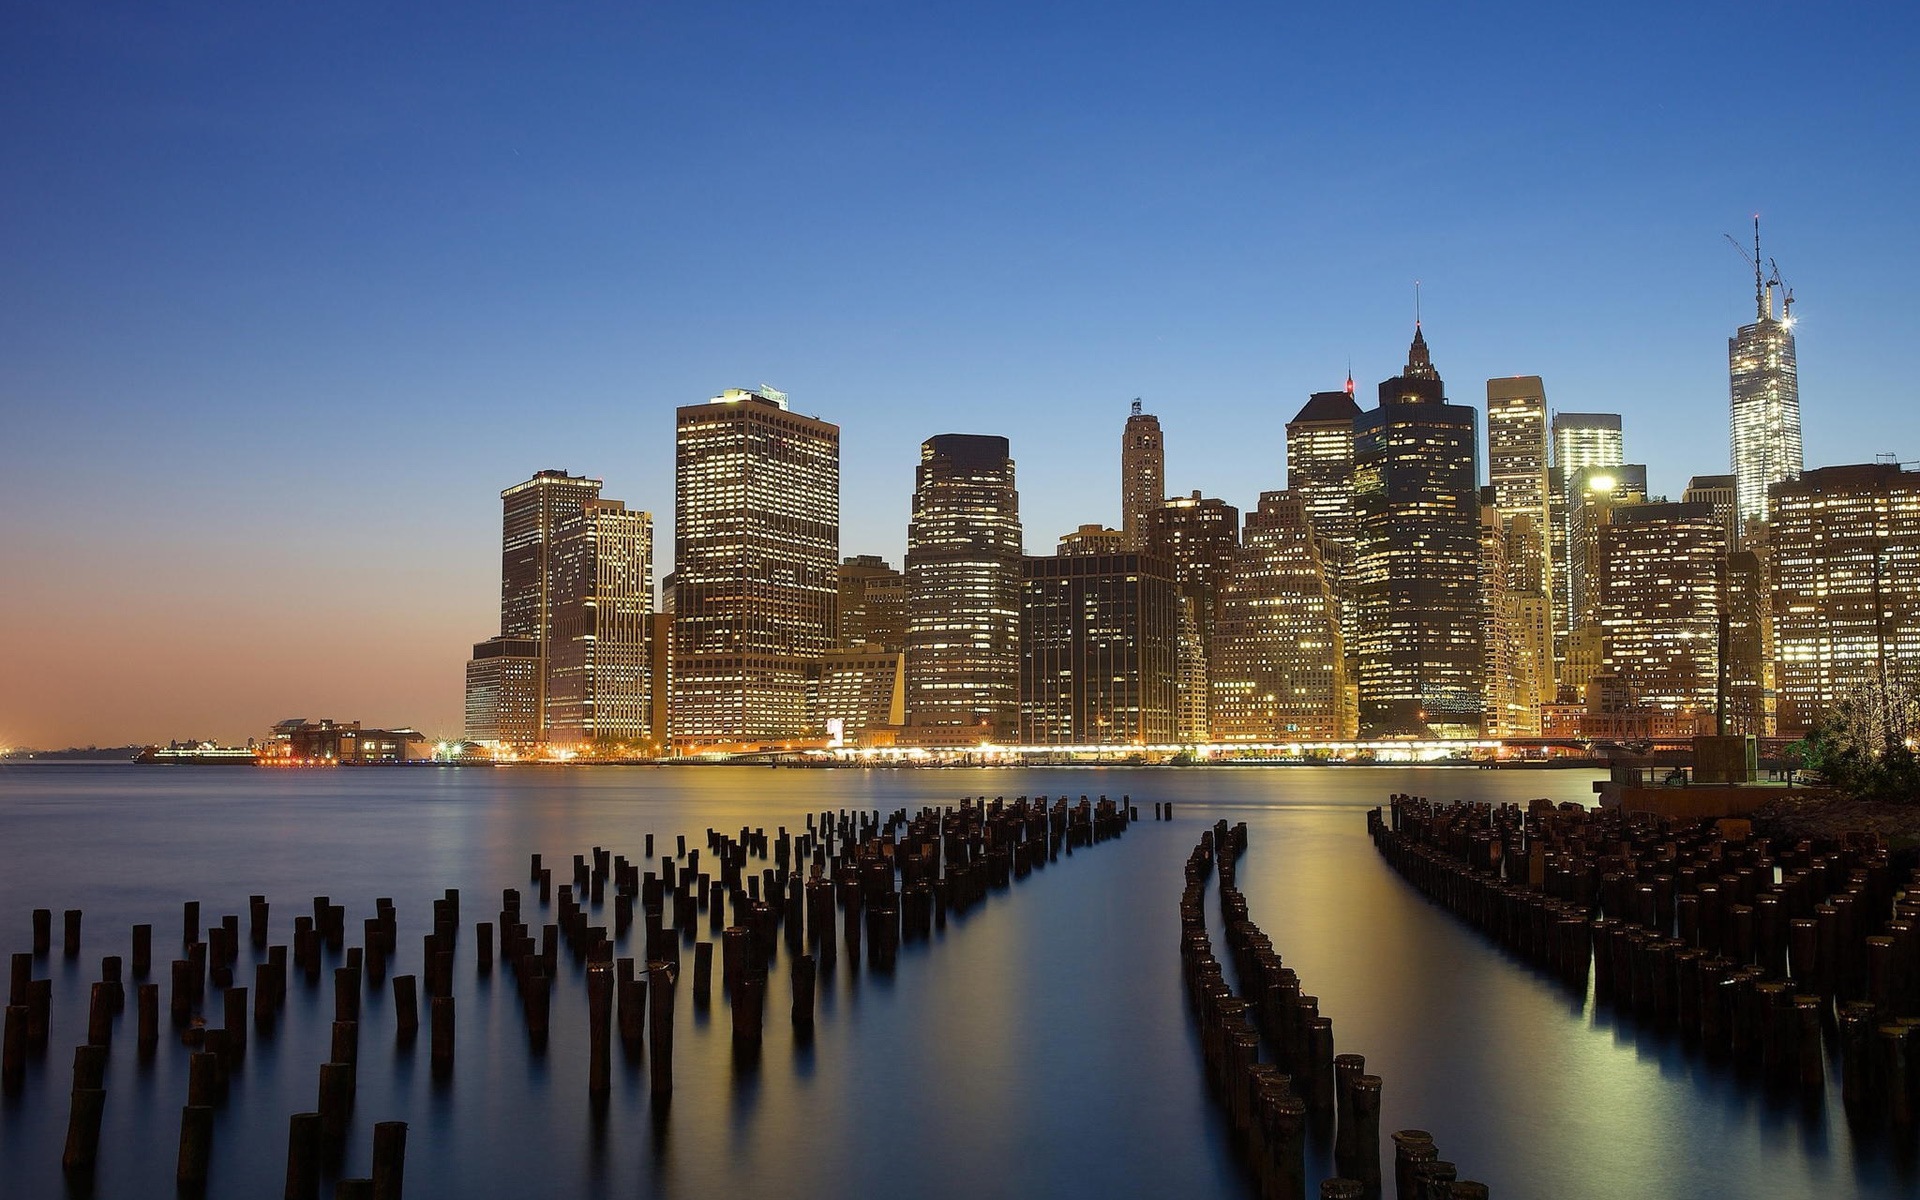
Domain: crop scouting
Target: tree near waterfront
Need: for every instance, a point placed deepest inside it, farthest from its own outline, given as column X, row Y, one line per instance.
column 1863, row 745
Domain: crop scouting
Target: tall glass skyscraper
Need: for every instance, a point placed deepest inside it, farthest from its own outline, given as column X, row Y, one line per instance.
column 1517, row 469
column 1417, row 557
column 1766, row 403
column 963, row 586
column 1578, row 440
column 756, row 538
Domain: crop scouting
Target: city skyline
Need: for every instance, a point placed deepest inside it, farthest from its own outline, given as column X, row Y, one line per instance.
column 288, row 237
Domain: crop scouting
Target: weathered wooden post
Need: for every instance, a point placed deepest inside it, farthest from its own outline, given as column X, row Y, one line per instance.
column 336, row 1099
column 70, row 944
column 196, row 1147
column 147, row 999
column 1411, row 1148
column 406, row 1006
column 89, row 1101
column 42, row 931
column 303, row 1157
column 442, row 1034
column 803, row 979
column 599, row 1026
column 389, row 1159
column 660, row 998
column 13, row 1060
column 142, row 951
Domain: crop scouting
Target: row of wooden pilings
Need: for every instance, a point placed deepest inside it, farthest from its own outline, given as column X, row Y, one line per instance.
column 1304, row 1084
column 841, row 872
column 216, row 1053
column 1755, row 951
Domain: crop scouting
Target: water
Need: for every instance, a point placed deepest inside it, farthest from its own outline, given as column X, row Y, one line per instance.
column 1039, row 1046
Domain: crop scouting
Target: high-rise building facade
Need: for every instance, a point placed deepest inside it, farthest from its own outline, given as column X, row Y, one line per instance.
column 1320, row 473
column 503, row 693
column 1199, row 536
column 1517, row 471
column 873, row 603
column 1593, row 493
column 599, row 671
column 1279, row 674
column 1765, row 384
column 1845, row 553
column 756, row 547
column 1577, row 440
column 1662, row 591
column 1508, row 625
column 1098, row 635
column 963, row 586
column 535, row 517
column 1143, row 473
column 1417, row 558
column 1721, row 492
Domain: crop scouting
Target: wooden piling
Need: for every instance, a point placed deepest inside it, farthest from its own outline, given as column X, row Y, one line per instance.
column 336, row 1099
column 142, row 951
column 196, row 1147
column 13, row 1059
column 42, row 932
column 660, row 1000
column 83, row 1129
column 99, row 1016
column 147, row 999
column 406, row 1006
column 803, row 979
column 70, row 943
column 443, row 1033
column 599, row 1026
column 303, row 1157
column 389, row 1159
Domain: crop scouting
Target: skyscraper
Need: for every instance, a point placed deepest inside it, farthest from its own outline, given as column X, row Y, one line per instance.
column 1097, row 649
column 599, row 671
column 503, row 693
column 963, row 586
column 1593, row 493
column 1320, row 475
column 1279, row 673
column 1510, row 627
column 1198, row 535
column 1766, row 398
column 1417, row 557
column 1661, row 583
column 1578, row 440
column 1845, row 550
column 1143, row 473
column 1517, row 469
column 756, row 544
column 535, row 517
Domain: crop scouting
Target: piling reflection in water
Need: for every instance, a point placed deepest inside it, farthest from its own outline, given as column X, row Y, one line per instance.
column 1036, row 1045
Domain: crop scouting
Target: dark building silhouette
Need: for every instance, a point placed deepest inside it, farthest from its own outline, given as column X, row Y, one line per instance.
column 1098, row 637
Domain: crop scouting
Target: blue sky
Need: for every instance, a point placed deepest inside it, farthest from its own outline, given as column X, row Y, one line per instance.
column 287, row 294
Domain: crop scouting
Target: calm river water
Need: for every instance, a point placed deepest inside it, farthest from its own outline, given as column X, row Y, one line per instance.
column 1039, row 1047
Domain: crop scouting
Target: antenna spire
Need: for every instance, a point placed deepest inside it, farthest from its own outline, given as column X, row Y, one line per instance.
column 1760, row 303
column 1416, row 286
